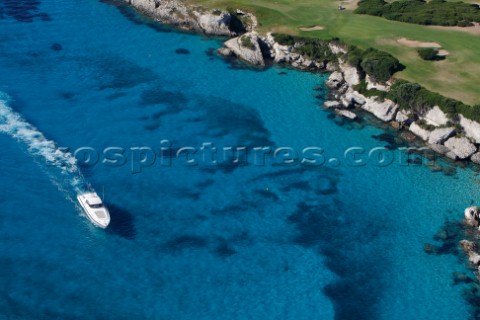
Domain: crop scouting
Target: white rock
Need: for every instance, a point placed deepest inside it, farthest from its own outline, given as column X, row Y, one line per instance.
column 471, row 213
column 451, row 155
column 419, row 131
column 336, row 48
column 385, row 110
column 225, row 51
column 308, row 63
column 440, row 135
column 358, row 98
column 215, row 24
column 346, row 114
column 436, row 117
column 472, row 128
column 462, row 147
column 251, row 55
column 474, row 258
column 335, row 80
column 331, row 104
column 475, row 158
column 402, row 116
column 350, row 74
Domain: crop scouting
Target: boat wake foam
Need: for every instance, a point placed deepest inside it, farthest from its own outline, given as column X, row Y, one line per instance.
column 13, row 124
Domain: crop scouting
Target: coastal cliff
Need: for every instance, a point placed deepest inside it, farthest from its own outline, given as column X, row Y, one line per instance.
column 212, row 22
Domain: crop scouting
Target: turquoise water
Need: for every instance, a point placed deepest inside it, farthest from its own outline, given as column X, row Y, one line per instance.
column 203, row 242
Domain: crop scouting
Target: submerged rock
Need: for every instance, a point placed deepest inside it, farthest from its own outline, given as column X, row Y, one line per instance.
column 439, row 148
column 460, row 277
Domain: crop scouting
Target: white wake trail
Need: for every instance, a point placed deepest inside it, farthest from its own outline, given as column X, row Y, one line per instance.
column 13, row 124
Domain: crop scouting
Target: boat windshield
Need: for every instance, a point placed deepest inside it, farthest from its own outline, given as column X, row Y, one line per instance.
column 95, row 206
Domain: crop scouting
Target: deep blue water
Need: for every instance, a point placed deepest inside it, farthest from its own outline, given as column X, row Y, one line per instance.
column 203, row 242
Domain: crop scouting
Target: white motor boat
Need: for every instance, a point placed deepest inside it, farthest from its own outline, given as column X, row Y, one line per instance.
column 94, row 208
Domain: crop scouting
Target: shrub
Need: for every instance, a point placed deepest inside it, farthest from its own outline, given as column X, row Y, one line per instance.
column 379, row 65
column 428, row 54
column 284, row 39
column 412, row 96
column 362, row 88
column 434, row 12
column 247, row 42
column 315, row 49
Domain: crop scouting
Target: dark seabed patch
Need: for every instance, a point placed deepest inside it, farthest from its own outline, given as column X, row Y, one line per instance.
column 118, row 73
column 224, row 117
column 56, row 47
column 182, row 51
column 116, row 95
column 206, row 183
column 447, row 242
column 325, row 228
column 183, row 242
column 232, row 209
column 224, row 250
column 210, row 52
column 159, row 96
column 268, row 194
column 23, row 10
column 67, row 95
column 122, row 222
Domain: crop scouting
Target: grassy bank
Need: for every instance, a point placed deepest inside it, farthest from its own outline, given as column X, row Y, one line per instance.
column 456, row 77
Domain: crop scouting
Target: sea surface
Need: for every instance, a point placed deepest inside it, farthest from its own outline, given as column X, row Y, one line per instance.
column 207, row 241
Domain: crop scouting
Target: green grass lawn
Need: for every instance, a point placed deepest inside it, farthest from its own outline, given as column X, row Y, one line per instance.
column 457, row 77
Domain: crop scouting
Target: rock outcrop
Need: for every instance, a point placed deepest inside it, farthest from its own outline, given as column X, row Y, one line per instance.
column 471, row 128
column 215, row 24
column 331, row 104
column 245, row 47
column 469, row 249
column 350, row 74
column 420, row 132
column 472, row 216
column 346, row 113
column 403, row 117
column 212, row 22
column 440, row 135
column 436, row 117
column 475, row 158
column 461, row 147
column 335, row 80
column 384, row 110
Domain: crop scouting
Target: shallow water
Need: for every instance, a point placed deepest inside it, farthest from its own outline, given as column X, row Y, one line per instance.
column 203, row 242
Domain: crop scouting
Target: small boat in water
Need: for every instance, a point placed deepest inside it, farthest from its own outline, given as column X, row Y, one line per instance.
column 94, row 208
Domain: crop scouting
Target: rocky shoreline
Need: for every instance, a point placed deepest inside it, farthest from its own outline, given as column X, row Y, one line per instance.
column 457, row 139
